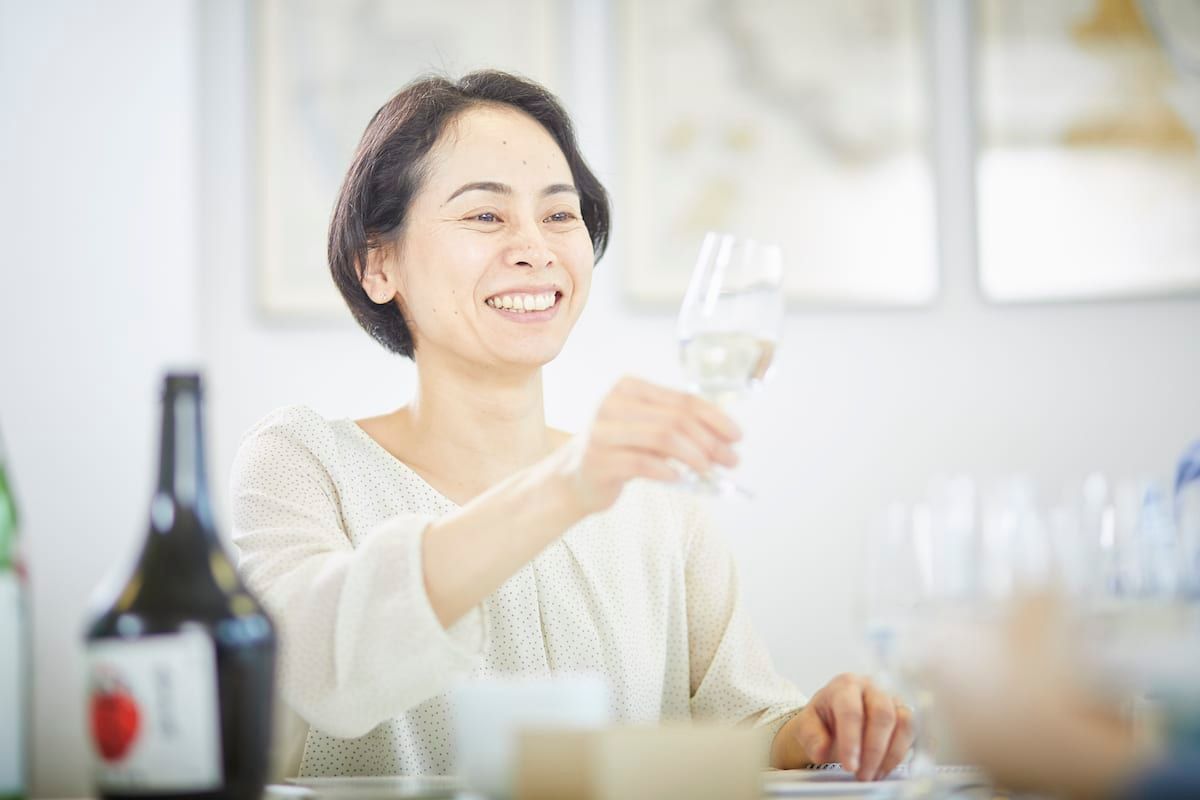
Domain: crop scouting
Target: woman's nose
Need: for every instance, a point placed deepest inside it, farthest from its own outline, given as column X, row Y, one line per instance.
column 529, row 249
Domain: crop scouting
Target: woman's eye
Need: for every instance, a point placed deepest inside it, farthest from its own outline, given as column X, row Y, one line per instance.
column 486, row 216
column 561, row 216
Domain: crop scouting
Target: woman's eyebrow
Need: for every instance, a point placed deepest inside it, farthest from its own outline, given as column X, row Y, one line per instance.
column 558, row 188
column 505, row 189
column 481, row 186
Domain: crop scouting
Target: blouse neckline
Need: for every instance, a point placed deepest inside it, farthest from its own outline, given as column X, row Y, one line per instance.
column 372, row 442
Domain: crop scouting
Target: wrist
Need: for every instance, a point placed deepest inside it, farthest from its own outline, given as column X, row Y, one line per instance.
column 560, row 490
column 556, row 485
column 786, row 750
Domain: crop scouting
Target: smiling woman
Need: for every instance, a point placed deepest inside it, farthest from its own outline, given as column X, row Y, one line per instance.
column 520, row 237
column 459, row 535
column 403, row 141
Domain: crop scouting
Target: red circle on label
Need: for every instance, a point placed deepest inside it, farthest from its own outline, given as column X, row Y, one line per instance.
column 115, row 722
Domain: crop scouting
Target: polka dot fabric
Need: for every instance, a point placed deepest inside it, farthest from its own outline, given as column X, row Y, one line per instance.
column 329, row 527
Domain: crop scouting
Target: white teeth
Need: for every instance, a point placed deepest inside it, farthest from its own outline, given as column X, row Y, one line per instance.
column 523, row 302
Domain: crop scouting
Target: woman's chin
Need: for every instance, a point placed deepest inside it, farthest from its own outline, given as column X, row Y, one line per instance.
column 530, row 347
column 533, row 360
column 530, row 355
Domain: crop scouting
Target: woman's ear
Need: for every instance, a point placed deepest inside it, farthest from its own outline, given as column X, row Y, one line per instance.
column 377, row 279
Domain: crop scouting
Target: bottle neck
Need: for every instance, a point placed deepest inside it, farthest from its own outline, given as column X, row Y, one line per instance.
column 181, row 499
column 181, row 552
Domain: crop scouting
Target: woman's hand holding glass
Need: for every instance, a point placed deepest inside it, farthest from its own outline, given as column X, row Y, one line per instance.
column 641, row 430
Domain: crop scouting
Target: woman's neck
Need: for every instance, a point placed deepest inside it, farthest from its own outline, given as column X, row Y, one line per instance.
column 470, row 427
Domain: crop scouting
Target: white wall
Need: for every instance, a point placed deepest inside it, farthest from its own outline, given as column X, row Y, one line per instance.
column 98, row 222
column 146, row 164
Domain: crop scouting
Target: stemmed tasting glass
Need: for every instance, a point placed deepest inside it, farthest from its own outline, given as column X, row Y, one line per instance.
column 728, row 329
column 896, row 591
column 919, row 563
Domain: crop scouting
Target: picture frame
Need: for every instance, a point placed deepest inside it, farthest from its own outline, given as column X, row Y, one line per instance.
column 735, row 117
column 323, row 69
column 1088, row 176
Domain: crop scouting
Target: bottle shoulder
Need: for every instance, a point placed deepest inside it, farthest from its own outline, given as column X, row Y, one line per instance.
column 156, row 599
column 225, row 625
column 9, row 528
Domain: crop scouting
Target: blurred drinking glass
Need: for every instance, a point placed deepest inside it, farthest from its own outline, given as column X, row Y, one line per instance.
column 1141, row 629
column 899, row 608
column 1187, row 520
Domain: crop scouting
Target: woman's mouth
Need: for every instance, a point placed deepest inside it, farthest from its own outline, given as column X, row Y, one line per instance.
column 526, row 307
column 521, row 303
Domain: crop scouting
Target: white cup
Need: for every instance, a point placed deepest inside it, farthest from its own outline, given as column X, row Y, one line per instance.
column 488, row 714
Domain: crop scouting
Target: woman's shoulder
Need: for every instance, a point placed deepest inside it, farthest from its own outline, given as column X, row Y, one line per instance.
column 299, row 422
column 290, row 433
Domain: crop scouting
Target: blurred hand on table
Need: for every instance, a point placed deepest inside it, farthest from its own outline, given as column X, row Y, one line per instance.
column 1016, row 704
column 850, row 720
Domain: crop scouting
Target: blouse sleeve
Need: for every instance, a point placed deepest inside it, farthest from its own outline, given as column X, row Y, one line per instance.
column 731, row 674
column 359, row 642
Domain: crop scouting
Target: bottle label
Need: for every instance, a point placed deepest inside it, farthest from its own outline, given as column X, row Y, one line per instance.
column 153, row 713
column 12, row 687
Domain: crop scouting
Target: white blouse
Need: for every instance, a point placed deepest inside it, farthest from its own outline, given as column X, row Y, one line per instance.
column 329, row 528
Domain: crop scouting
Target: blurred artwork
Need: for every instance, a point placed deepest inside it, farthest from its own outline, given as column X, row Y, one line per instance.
column 1089, row 166
column 799, row 123
column 323, row 70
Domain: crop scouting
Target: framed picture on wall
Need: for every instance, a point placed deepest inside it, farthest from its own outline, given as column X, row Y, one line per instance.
column 1089, row 149
column 323, row 69
column 800, row 123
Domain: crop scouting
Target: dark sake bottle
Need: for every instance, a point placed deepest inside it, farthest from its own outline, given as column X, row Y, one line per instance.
column 181, row 663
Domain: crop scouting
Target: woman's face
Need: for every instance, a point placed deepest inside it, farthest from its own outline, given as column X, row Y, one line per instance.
column 495, row 262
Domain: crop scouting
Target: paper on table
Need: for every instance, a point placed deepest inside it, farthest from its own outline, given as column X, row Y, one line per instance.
column 830, row 780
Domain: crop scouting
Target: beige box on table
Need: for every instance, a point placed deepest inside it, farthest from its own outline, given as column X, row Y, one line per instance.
column 699, row 762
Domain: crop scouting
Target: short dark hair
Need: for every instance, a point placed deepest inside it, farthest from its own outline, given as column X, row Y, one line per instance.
column 389, row 167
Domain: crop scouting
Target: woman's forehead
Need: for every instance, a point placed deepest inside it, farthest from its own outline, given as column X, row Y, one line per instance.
column 492, row 143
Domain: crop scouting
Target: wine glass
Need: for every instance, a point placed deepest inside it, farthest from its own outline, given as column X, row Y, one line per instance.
column 728, row 329
column 920, row 573
column 1141, row 625
column 899, row 561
